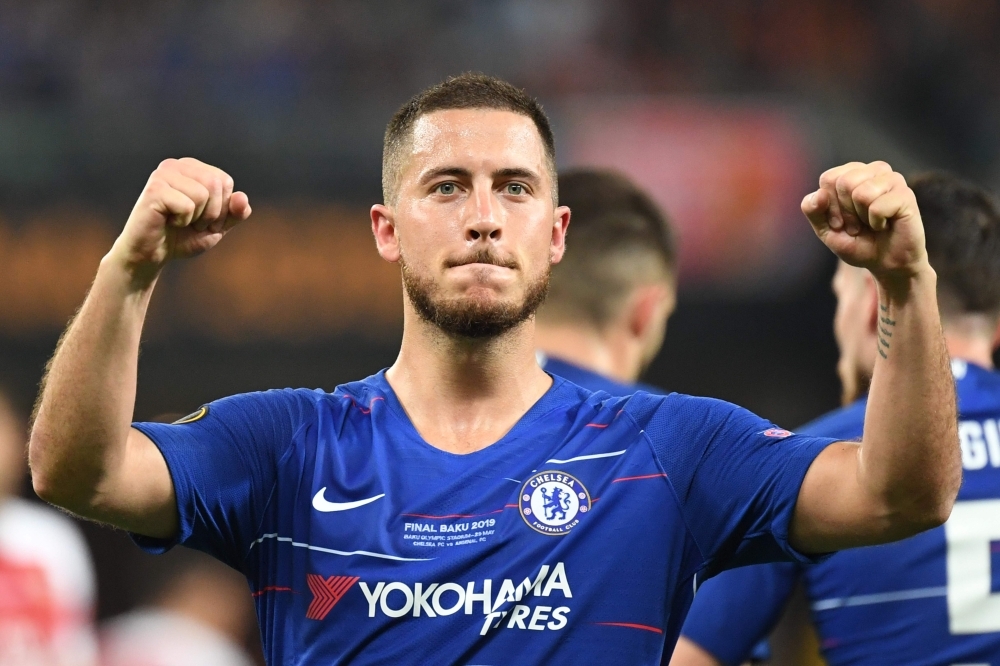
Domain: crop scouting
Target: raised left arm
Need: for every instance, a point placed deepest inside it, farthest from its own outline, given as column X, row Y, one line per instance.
column 904, row 475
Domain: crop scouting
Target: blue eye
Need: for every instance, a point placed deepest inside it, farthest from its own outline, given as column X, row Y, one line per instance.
column 446, row 188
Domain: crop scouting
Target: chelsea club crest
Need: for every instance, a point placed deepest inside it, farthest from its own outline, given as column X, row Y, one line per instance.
column 553, row 502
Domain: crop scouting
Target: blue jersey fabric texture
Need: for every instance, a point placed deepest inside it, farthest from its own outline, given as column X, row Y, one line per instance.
column 931, row 599
column 576, row 538
column 591, row 380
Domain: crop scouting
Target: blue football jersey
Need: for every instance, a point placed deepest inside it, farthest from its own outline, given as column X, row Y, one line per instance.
column 576, row 538
column 593, row 381
column 931, row 599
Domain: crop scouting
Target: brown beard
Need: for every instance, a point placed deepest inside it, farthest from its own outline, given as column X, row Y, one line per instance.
column 469, row 318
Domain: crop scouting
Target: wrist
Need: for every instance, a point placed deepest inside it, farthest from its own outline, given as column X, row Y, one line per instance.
column 136, row 276
column 900, row 285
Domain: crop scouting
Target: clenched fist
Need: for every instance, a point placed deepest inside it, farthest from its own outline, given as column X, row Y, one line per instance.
column 186, row 207
column 867, row 215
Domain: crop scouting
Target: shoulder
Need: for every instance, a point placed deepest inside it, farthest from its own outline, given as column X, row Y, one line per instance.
column 678, row 409
column 359, row 396
column 844, row 423
column 295, row 400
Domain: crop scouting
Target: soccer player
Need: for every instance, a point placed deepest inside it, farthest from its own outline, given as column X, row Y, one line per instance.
column 609, row 298
column 930, row 599
column 463, row 506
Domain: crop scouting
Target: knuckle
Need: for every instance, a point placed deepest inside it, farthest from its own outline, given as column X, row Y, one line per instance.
column 863, row 194
column 854, row 179
column 880, row 166
column 167, row 163
column 157, row 187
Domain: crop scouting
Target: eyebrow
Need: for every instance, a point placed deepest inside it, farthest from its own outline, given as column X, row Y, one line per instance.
column 513, row 172
column 458, row 172
column 461, row 172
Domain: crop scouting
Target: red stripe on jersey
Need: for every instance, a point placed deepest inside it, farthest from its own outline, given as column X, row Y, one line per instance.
column 630, row 625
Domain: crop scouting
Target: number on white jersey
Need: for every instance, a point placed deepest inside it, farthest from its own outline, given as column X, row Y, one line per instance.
column 973, row 608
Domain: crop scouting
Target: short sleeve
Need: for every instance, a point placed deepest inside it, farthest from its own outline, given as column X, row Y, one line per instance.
column 735, row 475
column 734, row 611
column 223, row 461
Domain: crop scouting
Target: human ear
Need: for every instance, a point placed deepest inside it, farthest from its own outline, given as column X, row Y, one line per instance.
column 650, row 306
column 384, row 230
column 560, row 224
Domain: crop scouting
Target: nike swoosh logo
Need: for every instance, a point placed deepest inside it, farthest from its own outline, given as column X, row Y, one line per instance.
column 320, row 504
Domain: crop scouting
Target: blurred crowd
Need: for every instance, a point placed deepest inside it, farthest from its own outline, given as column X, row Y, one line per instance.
column 88, row 90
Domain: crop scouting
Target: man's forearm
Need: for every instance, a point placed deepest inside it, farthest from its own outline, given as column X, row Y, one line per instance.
column 910, row 458
column 85, row 408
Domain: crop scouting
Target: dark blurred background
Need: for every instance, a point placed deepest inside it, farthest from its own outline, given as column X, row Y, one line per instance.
column 727, row 110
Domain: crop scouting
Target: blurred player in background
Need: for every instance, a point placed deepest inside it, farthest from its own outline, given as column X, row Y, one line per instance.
column 464, row 506
column 609, row 298
column 933, row 598
column 201, row 617
column 47, row 587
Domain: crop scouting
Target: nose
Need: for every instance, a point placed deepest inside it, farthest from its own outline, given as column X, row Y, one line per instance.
column 485, row 221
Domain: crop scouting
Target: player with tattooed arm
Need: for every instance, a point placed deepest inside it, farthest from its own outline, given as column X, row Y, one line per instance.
column 464, row 506
column 930, row 599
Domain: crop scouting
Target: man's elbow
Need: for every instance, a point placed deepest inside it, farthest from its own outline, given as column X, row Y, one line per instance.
column 931, row 510
column 53, row 481
column 44, row 481
column 63, row 496
column 934, row 514
column 43, row 487
column 40, row 469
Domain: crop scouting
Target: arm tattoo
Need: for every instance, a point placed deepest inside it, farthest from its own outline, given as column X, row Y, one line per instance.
column 883, row 330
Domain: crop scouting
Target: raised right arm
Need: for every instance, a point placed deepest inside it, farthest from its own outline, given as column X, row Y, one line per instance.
column 84, row 455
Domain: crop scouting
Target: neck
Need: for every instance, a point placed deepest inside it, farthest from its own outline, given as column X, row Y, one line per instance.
column 969, row 336
column 973, row 350
column 464, row 394
column 605, row 353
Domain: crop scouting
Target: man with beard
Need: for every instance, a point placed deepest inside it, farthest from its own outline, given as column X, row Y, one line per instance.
column 609, row 298
column 403, row 519
column 930, row 599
